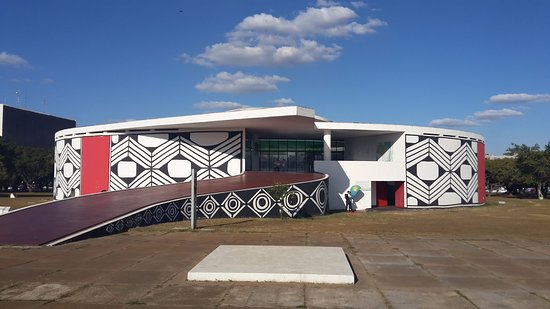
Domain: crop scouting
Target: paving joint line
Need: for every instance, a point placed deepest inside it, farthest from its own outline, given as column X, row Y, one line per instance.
column 466, row 298
column 352, row 249
column 540, row 296
column 524, row 248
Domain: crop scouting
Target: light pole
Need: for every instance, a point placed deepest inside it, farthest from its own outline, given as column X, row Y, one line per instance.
column 193, row 200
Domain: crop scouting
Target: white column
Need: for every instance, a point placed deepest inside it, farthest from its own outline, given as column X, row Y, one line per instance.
column 327, row 145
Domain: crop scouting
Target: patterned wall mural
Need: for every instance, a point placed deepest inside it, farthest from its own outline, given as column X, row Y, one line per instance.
column 307, row 199
column 142, row 160
column 157, row 159
column 441, row 171
column 67, row 168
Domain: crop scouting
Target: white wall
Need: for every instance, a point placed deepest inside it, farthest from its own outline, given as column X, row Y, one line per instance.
column 364, row 148
column 344, row 174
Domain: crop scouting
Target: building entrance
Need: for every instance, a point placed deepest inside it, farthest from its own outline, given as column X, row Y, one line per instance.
column 289, row 155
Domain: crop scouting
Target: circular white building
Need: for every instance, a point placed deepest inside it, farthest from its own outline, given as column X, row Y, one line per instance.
column 395, row 165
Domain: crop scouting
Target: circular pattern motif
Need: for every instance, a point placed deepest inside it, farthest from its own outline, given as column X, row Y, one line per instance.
column 321, row 195
column 209, row 206
column 148, row 216
column 186, row 209
column 158, row 214
column 172, row 211
column 119, row 225
column 293, row 200
column 262, row 203
column 138, row 218
column 233, row 204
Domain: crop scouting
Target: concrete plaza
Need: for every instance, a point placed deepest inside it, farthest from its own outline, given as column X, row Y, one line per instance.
column 149, row 270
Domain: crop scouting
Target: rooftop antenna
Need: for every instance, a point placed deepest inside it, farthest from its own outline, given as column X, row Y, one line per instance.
column 17, row 98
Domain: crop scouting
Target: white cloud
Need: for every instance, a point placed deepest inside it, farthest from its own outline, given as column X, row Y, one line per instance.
column 265, row 40
column 493, row 114
column 231, row 54
column 324, row 21
column 240, row 83
column 219, row 105
column 519, row 98
column 284, row 101
column 20, row 80
column 452, row 122
column 477, row 119
column 12, row 60
column 48, row 81
column 326, row 3
column 358, row 4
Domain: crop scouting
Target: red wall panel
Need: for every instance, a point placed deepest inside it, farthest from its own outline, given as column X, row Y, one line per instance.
column 399, row 194
column 481, row 172
column 95, row 164
column 381, row 194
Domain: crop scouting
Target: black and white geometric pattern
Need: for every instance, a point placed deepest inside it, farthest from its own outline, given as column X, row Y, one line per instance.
column 441, row 171
column 143, row 160
column 67, row 168
column 262, row 203
column 306, row 199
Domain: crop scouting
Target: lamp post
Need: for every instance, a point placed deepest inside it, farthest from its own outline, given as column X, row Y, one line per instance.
column 193, row 199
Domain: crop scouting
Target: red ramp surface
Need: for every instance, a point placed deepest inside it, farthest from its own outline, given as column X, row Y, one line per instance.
column 62, row 220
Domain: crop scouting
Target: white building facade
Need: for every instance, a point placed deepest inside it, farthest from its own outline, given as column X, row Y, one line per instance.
column 395, row 165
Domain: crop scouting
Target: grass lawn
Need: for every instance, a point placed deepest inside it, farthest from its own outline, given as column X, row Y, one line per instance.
column 24, row 199
column 518, row 217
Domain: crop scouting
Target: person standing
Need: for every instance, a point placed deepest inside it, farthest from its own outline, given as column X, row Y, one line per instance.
column 277, row 165
column 348, row 202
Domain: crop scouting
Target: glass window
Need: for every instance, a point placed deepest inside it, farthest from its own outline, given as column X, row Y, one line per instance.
column 291, row 162
column 300, row 145
column 294, row 155
column 264, row 162
column 291, row 145
column 273, row 145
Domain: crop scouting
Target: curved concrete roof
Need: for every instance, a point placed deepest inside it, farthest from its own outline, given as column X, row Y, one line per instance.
column 284, row 121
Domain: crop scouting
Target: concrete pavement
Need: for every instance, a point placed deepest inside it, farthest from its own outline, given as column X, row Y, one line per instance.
column 148, row 270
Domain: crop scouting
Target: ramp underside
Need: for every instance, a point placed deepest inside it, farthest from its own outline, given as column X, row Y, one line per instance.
column 47, row 223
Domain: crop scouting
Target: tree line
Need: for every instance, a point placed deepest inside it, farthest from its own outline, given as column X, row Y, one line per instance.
column 24, row 168
column 528, row 166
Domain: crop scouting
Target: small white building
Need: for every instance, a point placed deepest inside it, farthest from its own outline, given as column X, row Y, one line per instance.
column 395, row 165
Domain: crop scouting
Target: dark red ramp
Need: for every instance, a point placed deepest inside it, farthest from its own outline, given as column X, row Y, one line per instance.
column 48, row 223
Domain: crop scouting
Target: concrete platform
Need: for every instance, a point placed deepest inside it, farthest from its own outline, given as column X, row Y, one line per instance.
column 274, row 264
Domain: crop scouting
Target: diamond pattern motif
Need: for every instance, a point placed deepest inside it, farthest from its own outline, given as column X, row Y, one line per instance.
column 308, row 199
column 155, row 157
column 67, row 168
column 434, row 166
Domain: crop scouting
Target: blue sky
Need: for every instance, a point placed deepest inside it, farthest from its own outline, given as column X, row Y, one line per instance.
column 481, row 66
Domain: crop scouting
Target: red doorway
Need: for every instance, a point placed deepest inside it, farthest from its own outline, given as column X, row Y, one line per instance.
column 390, row 193
column 381, row 194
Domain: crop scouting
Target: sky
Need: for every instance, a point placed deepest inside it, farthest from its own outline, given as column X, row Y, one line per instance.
column 478, row 66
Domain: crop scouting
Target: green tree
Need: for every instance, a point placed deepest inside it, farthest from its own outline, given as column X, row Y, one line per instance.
column 33, row 166
column 4, row 176
column 505, row 173
column 7, row 168
column 533, row 163
column 279, row 191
